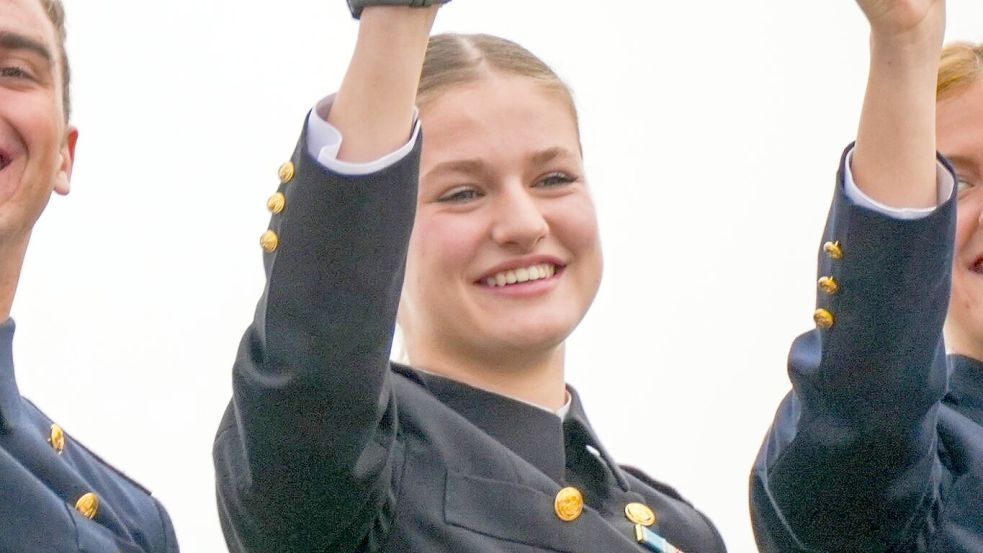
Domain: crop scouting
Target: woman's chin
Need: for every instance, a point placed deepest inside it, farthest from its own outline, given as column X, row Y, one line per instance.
column 529, row 338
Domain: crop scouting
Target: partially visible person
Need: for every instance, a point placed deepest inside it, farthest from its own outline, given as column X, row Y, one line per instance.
column 480, row 446
column 879, row 447
column 959, row 124
column 55, row 495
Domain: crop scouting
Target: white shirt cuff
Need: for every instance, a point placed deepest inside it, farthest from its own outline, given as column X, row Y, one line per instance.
column 946, row 184
column 324, row 143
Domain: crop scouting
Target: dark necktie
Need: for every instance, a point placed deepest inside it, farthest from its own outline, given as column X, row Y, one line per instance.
column 585, row 469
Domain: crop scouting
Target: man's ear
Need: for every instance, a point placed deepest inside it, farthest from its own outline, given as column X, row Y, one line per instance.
column 64, row 176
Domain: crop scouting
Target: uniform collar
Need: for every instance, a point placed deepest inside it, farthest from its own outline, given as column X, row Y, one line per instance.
column 966, row 386
column 531, row 432
column 10, row 400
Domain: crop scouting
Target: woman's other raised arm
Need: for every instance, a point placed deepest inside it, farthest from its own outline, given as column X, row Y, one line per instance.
column 894, row 162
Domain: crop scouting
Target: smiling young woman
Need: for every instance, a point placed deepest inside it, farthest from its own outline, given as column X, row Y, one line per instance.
column 505, row 257
column 482, row 241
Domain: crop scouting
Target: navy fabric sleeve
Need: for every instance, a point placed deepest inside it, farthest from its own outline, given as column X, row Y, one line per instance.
column 306, row 452
column 851, row 463
column 169, row 538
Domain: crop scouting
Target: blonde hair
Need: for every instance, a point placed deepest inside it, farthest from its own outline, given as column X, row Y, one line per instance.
column 961, row 65
column 456, row 59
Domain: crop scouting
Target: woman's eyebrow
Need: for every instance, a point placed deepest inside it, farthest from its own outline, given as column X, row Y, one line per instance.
column 15, row 41
column 477, row 166
column 961, row 162
column 469, row 166
column 549, row 154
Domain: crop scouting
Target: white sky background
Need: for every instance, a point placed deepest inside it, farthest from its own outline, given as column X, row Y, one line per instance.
column 712, row 131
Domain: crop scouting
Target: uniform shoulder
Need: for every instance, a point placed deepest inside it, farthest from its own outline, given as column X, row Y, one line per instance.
column 87, row 456
column 653, row 483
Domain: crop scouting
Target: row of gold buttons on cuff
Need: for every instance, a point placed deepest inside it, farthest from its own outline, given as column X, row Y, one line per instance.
column 269, row 241
column 828, row 285
column 569, row 505
column 88, row 504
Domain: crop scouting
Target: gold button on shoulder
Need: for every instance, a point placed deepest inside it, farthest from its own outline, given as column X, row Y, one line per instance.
column 269, row 241
column 88, row 505
column 829, row 285
column 276, row 203
column 833, row 249
column 57, row 439
column 569, row 504
column 824, row 319
column 286, row 172
column 640, row 514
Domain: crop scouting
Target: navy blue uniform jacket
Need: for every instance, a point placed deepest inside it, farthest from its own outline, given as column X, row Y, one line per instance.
column 326, row 446
column 879, row 446
column 40, row 487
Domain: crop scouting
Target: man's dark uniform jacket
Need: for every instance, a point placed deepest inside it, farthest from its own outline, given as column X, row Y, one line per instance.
column 58, row 497
column 327, row 446
column 879, row 447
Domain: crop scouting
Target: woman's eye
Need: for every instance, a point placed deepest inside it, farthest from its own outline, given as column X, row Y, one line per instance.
column 963, row 185
column 555, row 179
column 460, row 195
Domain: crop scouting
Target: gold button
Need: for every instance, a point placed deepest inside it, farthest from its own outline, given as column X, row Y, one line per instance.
column 276, row 203
column 824, row 319
column 833, row 249
column 57, row 439
column 569, row 504
column 269, row 241
column 640, row 514
column 88, row 505
column 286, row 172
column 829, row 285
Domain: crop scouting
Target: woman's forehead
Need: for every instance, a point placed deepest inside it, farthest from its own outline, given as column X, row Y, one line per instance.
column 959, row 120
column 497, row 114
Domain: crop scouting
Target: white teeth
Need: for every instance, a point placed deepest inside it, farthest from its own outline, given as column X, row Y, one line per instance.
column 524, row 274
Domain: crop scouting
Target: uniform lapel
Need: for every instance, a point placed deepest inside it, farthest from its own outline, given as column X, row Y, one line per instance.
column 532, row 433
column 10, row 400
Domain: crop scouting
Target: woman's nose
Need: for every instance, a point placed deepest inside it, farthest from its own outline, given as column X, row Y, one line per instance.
column 972, row 205
column 519, row 220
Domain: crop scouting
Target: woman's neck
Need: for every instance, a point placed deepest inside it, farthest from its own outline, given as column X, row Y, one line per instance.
column 536, row 377
column 962, row 343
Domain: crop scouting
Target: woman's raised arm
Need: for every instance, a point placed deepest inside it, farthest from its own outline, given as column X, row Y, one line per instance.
column 894, row 161
column 307, row 452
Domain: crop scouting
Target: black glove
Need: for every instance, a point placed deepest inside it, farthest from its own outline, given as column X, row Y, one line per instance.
column 356, row 5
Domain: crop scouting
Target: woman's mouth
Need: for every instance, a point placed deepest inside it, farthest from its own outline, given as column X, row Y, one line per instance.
column 978, row 266
column 539, row 271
